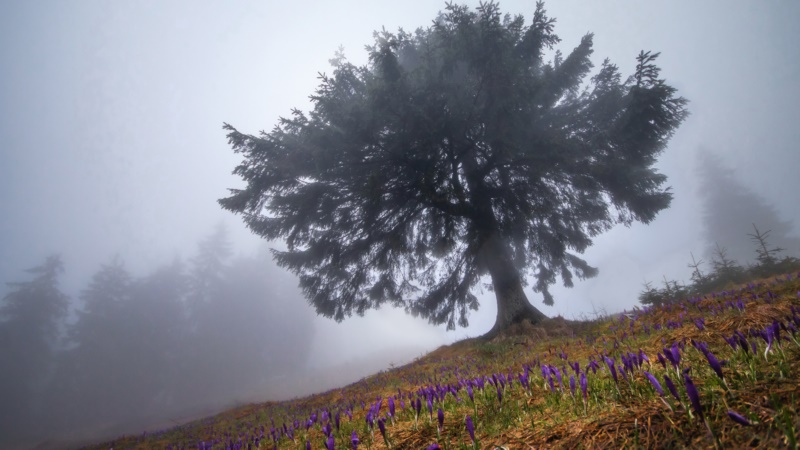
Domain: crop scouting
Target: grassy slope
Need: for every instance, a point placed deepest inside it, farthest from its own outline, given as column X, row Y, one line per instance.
column 764, row 387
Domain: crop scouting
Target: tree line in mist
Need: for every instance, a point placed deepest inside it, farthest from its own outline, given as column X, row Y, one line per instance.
column 724, row 272
column 184, row 337
column 744, row 234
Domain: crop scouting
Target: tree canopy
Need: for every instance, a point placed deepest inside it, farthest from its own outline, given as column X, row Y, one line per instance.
column 458, row 151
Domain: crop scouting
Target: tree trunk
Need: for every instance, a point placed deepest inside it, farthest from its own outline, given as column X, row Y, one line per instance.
column 512, row 303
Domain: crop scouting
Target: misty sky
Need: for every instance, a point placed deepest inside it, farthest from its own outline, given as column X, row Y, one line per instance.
column 111, row 139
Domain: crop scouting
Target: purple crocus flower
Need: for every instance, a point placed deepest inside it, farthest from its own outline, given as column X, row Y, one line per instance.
column 622, row 371
column 700, row 323
column 584, row 385
column 702, row 346
column 382, row 427
column 714, row 363
column 308, row 445
column 671, row 387
column 434, row 447
column 643, row 357
column 499, row 395
column 738, row 418
column 675, row 352
column 743, row 341
column 654, row 382
column 391, row 406
column 662, row 361
column 470, row 427
column 354, row 440
column 430, row 409
column 572, row 384
column 694, row 396
column 523, row 380
column 330, row 443
column 594, row 365
column 558, row 375
column 731, row 341
column 440, row 416
column 610, row 363
column 470, row 393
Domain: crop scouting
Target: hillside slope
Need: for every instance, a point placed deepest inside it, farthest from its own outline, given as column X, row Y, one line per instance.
column 712, row 371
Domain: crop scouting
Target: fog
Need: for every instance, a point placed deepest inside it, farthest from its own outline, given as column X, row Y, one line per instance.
column 111, row 147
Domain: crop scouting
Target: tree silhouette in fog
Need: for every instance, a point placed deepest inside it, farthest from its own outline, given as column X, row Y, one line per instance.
column 29, row 324
column 249, row 323
column 731, row 209
column 145, row 349
column 89, row 386
column 152, row 337
column 208, row 270
column 277, row 310
column 207, row 354
column 457, row 153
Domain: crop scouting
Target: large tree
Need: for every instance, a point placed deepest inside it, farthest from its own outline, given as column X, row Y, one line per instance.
column 458, row 151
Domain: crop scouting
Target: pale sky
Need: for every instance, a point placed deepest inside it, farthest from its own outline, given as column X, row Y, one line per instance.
column 111, row 139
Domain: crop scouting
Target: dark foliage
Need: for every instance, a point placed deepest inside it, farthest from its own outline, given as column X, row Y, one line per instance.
column 90, row 373
column 144, row 350
column 29, row 319
column 671, row 291
column 767, row 261
column 725, row 273
column 457, row 152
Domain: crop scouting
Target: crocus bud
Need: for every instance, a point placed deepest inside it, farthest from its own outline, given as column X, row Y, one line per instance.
column 671, row 387
column 738, row 418
column 470, row 427
column 694, row 396
column 382, row 427
column 584, row 385
column 714, row 363
column 655, row 383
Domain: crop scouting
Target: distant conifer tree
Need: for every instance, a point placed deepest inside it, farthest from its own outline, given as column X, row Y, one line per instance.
column 89, row 384
column 730, row 208
column 30, row 316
